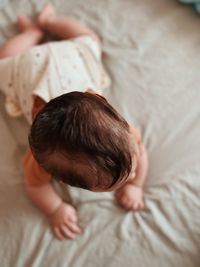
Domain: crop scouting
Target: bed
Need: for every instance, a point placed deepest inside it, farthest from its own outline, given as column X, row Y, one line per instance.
column 152, row 53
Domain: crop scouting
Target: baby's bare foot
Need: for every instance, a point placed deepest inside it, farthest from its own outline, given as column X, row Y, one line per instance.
column 46, row 14
column 24, row 24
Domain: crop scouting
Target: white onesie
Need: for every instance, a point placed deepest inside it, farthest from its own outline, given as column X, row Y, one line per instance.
column 50, row 70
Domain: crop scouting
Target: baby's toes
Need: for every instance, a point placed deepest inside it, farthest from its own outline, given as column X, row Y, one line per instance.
column 24, row 23
column 46, row 13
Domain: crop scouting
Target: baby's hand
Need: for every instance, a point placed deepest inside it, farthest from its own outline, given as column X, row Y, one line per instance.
column 64, row 222
column 130, row 197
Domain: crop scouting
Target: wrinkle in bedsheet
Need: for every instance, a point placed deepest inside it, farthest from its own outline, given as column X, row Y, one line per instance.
column 151, row 51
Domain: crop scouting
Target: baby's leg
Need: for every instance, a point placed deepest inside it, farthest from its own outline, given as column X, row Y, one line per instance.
column 30, row 35
column 63, row 27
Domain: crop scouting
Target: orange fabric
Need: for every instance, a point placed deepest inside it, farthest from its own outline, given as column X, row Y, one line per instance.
column 138, row 141
column 136, row 135
column 34, row 174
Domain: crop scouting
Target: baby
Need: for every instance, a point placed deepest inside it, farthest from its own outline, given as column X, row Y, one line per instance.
column 76, row 136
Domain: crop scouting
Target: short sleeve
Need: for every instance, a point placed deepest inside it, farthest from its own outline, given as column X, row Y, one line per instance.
column 90, row 43
column 34, row 174
column 6, row 71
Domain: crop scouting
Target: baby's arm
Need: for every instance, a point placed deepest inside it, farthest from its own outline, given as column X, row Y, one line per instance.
column 142, row 167
column 44, row 197
column 130, row 196
column 62, row 215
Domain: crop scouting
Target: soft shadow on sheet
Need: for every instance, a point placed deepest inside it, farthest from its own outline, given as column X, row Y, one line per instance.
column 152, row 54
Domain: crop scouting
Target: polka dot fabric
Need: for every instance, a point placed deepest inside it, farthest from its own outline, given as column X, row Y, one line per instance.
column 50, row 70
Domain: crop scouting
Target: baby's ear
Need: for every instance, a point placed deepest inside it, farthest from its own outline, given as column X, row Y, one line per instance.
column 91, row 91
column 38, row 104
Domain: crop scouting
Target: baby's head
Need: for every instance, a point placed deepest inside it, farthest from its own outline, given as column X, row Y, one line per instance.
column 81, row 140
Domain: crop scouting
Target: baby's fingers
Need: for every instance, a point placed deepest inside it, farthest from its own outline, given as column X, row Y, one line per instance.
column 72, row 216
column 139, row 205
column 67, row 233
column 63, row 232
column 135, row 206
column 58, row 233
column 74, row 227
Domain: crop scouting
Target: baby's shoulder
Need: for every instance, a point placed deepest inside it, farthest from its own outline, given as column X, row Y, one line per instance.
column 136, row 133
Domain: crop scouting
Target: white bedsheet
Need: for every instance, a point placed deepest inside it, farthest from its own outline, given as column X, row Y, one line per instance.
column 152, row 52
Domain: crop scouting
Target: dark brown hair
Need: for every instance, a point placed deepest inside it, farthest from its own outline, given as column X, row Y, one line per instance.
column 80, row 125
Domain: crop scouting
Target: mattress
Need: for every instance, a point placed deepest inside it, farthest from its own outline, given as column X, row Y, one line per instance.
column 152, row 53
